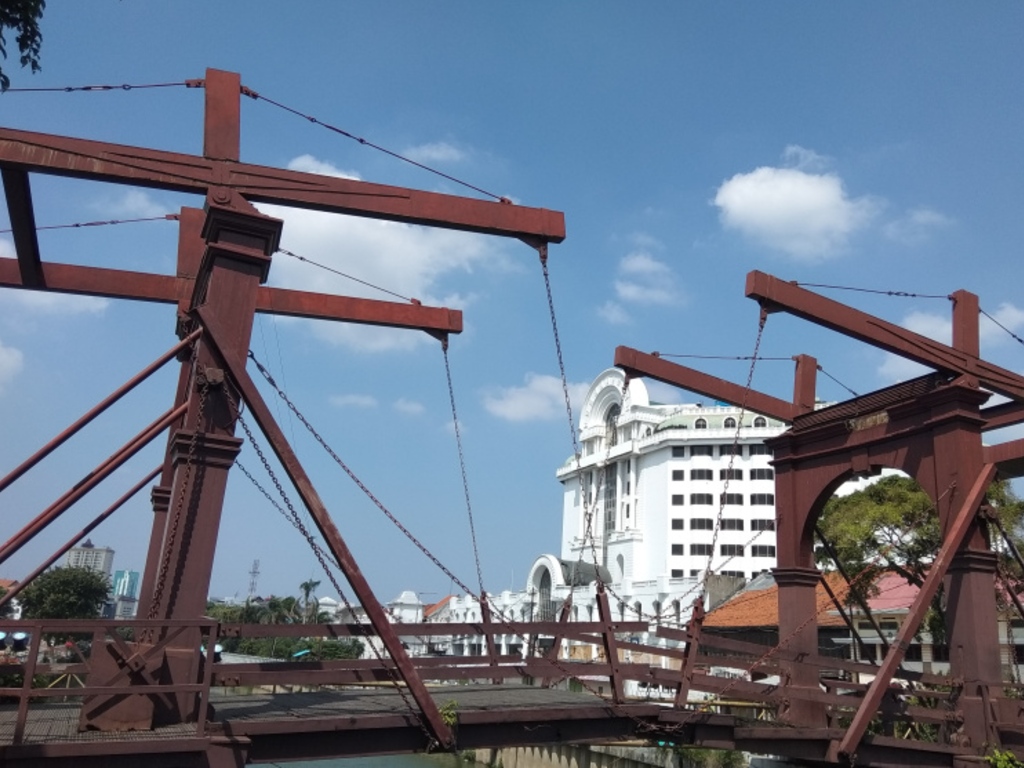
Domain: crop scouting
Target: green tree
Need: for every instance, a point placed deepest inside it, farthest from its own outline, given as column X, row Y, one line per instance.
column 65, row 593
column 892, row 526
column 22, row 18
column 6, row 609
column 310, row 605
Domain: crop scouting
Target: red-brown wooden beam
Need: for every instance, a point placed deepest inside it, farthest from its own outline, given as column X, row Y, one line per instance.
column 23, row 226
column 955, row 537
column 775, row 294
column 1008, row 458
column 332, row 536
column 119, row 164
column 636, row 363
column 165, row 289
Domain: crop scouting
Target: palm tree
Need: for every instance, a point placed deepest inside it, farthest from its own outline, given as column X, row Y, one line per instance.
column 281, row 610
column 307, row 587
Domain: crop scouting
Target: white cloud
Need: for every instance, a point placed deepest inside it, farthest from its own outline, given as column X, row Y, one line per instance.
column 644, row 279
column 940, row 328
column 47, row 303
column 435, row 152
column 804, row 159
column 541, row 398
column 896, row 368
column 916, row 226
column 44, row 302
column 806, row 215
column 411, row 407
column 408, row 260
column 353, row 401
column 1008, row 316
column 310, row 164
column 666, row 394
column 11, row 362
column 613, row 313
column 135, row 203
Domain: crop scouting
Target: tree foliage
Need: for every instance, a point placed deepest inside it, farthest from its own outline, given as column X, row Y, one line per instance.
column 892, row 527
column 65, row 593
column 22, row 18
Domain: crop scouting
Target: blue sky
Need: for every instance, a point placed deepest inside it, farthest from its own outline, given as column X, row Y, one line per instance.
column 860, row 145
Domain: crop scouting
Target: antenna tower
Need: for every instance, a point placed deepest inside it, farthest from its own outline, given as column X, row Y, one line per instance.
column 254, row 574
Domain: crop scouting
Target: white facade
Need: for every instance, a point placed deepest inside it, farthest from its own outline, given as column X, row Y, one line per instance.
column 99, row 559
column 667, row 484
column 665, row 487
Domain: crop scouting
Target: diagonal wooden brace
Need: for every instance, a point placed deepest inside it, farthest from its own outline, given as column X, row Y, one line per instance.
column 332, row 536
column 611, row 645
column 955, row 537
column 689, row 664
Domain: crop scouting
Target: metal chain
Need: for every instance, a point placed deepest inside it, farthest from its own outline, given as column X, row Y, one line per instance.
column 369, row 494
column 462, row 466
column 172, row 534
column 322, row 560
column 502, row 620
column 762, row 320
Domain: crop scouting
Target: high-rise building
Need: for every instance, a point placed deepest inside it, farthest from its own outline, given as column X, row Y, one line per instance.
column 126, row 584
column 669, row 489
column 88, row 555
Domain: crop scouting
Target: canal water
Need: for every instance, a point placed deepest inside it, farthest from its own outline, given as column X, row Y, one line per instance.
column 390, row 761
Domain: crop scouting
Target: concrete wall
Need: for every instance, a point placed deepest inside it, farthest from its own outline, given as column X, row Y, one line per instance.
column 568, row 756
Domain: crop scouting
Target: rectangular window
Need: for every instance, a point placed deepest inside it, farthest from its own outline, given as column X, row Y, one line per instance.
column 700, row 549
column 730, row 450
column 677, row 499
column 760, row 449
column 732, row 524
column 738, row 574
column 735, row 499
column 731, row 550
column 678, row 474
column 678, row 451
column 677, row 549
column 913, row 653
column 730, row 474
column 702, row 450
column 677, row 573
column 762, row 550
column 702, row 524
column 940, row 653
column 702, row 498
column 762, row 525
column 677, row 524
column 762, row 499
column 695, row 572
column 702, row 474
column 762, row 474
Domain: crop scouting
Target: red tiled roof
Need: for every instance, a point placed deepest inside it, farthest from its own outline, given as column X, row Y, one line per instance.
column 430, row 610
column 894, row 593
column 760, row 608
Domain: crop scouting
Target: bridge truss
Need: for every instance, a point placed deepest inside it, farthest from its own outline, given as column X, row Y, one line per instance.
column 152, row 690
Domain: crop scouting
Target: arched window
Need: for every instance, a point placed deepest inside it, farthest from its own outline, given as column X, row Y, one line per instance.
column 611, row 422
column 700, row 424
column 730, row 423
column 760, row 421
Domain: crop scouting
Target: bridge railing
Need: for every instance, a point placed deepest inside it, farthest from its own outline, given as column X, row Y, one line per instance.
column 99, row 665
column 533, row 656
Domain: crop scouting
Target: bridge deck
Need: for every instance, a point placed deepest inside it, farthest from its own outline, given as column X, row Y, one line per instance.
column 372, row 720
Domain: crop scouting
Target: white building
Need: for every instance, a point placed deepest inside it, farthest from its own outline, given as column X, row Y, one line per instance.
column 658, row 480
column 88, row 555
column 659, row 493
